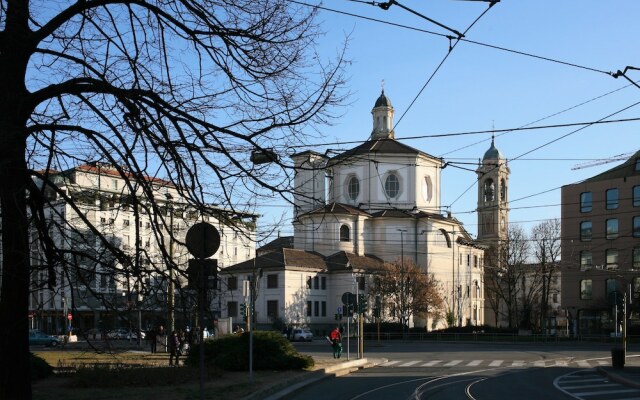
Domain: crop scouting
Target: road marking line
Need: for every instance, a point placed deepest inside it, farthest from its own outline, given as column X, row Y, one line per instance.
column 474, row 363
column 496, row 363
column 584, row 364
column 518, row 363
column 452, row 363
column 408, row 364
column 603, row 392
column 540, row 363
column 432, row 363
column 602, row 385
column 560, row 363
column 389, row 363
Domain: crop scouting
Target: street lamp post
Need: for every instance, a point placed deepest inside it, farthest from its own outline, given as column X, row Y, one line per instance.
column 171, row 288
column 403, row 313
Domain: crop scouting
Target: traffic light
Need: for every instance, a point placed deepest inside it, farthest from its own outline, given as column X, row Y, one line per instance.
column 338, row 317
column 363, row 304
column 243, row 311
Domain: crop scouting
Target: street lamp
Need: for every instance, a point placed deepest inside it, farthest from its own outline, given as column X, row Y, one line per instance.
column 403, row 300
column 171, row 288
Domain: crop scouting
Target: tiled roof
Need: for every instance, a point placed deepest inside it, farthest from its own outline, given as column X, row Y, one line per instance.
column 379, row 146
column 279, row 258
column 343, row 261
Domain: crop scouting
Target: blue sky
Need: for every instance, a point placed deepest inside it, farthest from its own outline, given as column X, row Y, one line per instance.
column 479, row 88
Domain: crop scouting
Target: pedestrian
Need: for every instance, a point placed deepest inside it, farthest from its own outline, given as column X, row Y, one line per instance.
column 336, row 342
column 174, row 348
column 153, row 340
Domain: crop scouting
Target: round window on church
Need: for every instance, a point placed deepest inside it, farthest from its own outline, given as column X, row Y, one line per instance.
column 392, row 186
column 353, row 187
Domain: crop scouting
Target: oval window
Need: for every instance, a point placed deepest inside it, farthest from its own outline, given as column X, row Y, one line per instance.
column 392, row 186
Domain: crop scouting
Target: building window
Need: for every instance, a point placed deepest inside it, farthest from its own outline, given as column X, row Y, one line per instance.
column 272, row 281
column 232, row 309
column 586, row 260
column 554, row 297
column 345, row 233
column 316, row 282
column 392, row 186
column 636, row 226
column 272, row 308
column 308, row 308
column 323, row 283
column 636, row 288
column 125, row 222
column 586, row 289
column 586, row 203
column 232, row 283
column 503, row 190
column 612, row 228
column 612, row 258
column 612, row 199
column 353, row 187
column 323, row 308
column 636, row 258
column 585, row 231
column 361, row 282
column 636, row 196
column 316, row 308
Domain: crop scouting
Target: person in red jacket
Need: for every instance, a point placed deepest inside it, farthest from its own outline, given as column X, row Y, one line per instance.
column 336, row 342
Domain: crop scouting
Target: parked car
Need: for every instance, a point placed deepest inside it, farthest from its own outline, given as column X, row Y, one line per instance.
column 302, row 334
column 37, row 337
column 124, row 334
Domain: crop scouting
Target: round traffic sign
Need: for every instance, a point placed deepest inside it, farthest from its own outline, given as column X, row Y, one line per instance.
column 202, row 240
column 346, row 297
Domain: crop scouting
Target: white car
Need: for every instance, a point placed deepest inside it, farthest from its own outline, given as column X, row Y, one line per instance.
column 302, row 334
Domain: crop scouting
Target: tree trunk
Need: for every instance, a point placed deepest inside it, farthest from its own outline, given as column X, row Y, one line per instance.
column 15, row 377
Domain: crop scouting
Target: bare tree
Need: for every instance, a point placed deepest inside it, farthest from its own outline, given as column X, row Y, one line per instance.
column 546, row 250
column 177, row 89
column 504, row 272
column 408, row 290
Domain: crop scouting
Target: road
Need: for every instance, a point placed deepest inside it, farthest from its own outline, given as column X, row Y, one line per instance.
column 450, row 371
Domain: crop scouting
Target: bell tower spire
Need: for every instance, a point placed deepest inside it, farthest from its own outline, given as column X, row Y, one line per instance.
column 382, row 118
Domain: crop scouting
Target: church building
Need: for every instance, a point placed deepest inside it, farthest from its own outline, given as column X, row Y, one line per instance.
column 377, row 202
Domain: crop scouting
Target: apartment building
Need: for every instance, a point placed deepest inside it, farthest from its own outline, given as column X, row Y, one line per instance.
column 601, row 249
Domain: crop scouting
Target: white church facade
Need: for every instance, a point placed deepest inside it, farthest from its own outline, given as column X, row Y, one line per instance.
column 377, row 202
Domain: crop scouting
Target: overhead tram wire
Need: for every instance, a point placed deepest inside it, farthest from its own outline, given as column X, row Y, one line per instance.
column 451, row 47
column 551, row 142
column 502, row 132
column 518, row 52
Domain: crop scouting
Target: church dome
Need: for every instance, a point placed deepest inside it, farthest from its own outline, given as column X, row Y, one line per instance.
column 493, row 153
column 382, row 101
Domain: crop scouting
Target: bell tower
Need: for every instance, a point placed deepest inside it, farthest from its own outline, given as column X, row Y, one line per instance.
column 493, row 197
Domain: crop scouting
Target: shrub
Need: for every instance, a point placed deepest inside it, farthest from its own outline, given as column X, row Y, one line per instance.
column 271, row 351
column 39, row 368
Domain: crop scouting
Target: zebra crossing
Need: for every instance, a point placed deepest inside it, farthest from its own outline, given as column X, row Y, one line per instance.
column 589, row 385
column 496, row 363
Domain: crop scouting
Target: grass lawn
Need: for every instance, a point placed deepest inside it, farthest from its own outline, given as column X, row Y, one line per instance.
column 129, row 375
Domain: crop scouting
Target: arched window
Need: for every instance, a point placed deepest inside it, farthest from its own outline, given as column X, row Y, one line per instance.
column 503, row 190
column 345, row 233
column 392, row 186
column 489, row 190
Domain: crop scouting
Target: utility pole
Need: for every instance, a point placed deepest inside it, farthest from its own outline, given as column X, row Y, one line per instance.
column 403, row 287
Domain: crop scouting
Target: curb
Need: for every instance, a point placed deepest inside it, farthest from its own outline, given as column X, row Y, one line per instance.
column 291, row 386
